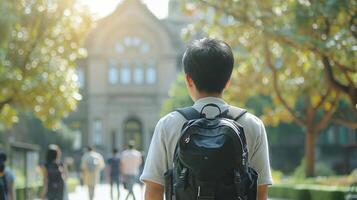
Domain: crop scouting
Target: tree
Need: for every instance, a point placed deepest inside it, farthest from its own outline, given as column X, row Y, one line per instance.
column 40, row 41
column 179, row 96
column 272, row 51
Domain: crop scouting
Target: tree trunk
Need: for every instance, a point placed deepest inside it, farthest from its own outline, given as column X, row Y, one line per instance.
column 310, row 153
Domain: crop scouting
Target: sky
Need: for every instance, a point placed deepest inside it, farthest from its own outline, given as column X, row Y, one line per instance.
column 101, row 8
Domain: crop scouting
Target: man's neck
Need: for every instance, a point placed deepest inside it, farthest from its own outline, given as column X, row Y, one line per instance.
column 202, row 95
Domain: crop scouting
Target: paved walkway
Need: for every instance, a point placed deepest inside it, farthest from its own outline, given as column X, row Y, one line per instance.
column 102, row 192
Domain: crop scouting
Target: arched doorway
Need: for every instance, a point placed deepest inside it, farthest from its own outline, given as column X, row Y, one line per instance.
column 133, row 131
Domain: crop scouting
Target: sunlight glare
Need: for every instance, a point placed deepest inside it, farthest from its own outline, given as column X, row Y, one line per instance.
column 102, row 8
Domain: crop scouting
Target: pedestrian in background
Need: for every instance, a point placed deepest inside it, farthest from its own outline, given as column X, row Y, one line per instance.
column 7, row 179
column 130, row 161
column 113, row 164
column 92, row 163
column 54, row 175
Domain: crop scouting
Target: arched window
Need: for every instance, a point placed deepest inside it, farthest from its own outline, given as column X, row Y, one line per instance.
column 133, row 131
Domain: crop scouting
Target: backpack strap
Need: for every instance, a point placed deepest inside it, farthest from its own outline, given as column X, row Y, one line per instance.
column 5, row 183
column 234, row 113
column 189, row 113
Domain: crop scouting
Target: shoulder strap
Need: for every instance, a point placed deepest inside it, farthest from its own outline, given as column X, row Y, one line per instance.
column 234, row 113
column 189, row 113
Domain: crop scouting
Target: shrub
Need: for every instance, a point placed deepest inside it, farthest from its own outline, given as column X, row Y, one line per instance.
column 307, row 192
column 321, row 169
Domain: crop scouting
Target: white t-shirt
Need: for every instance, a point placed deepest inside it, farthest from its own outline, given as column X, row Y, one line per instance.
column 167, row 133
column 130, row 161
column 91, row 177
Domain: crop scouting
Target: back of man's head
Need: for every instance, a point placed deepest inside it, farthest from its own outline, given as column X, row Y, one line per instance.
column 209, row 62
column 90, row 148
column 131, row 144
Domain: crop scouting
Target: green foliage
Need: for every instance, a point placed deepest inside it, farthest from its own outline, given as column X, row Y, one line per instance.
column 40, row 42
column 42, row 136
column 179, row 96
column 307, row 192
column 321, row 169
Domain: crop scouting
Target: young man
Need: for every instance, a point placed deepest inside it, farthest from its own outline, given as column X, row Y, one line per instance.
column 130, row 162
column 92, row 164
column 208, row 64
column 7, row 179
column 113, row 164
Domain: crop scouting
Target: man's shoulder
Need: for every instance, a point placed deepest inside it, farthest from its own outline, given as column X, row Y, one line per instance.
column 248, row 117
column 170, row 119
column 9, row 175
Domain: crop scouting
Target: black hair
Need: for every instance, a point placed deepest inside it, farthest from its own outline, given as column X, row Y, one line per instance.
column 209, row 62
column 89, row 148
column 115, row 150
column 131, row 144
column 3, row 159
column 52, row 153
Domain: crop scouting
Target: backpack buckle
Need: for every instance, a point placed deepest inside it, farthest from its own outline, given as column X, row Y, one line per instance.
column 206, row 193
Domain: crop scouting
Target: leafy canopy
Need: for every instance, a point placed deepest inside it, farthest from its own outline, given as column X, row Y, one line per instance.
column 40, row 41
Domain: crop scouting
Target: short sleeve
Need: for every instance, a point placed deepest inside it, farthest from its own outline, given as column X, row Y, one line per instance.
column 156, row 161
column 10, row 177
column 260, row 157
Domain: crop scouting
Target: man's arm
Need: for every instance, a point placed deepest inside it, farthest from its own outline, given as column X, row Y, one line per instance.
column 153, row 191
column 12, row 192
column 262, row 192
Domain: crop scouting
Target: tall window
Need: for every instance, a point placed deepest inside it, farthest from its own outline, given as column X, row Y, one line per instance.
column 98, row 132
column 125, row 74
column 151, row 73
column 113, row 76
column 138, row 74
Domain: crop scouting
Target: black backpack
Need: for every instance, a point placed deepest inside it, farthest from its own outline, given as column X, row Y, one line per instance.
column 55, row 178
column 211, row 159
column 3, row 188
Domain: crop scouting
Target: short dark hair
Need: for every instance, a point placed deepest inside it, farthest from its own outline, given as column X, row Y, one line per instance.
column 89, row 148
column 3, row 159
column 209, row 62
column 115, row 150
column 131, row 144
column 52, row 153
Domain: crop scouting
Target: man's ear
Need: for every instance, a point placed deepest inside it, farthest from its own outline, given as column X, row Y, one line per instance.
column 228, row 84
column 189, row 80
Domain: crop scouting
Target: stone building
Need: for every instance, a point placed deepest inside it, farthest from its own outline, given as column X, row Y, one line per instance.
column 132, row 61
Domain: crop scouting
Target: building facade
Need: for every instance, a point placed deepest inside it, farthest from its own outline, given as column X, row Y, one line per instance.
column 132, row 61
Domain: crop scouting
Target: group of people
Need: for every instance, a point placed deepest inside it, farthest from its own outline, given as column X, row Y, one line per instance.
column 121, row 167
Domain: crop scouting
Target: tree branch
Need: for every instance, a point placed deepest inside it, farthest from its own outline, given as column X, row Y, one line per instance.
column 322, row 100
column 4, row 102
column 346, row 123
column 331, row 80
column 276, row 87
column 328, row 115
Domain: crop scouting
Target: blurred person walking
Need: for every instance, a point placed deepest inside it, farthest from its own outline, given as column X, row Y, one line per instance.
column 113, row 164
column 7, row 190
column 130, row 162
column 92, row 163
column 54, row 175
